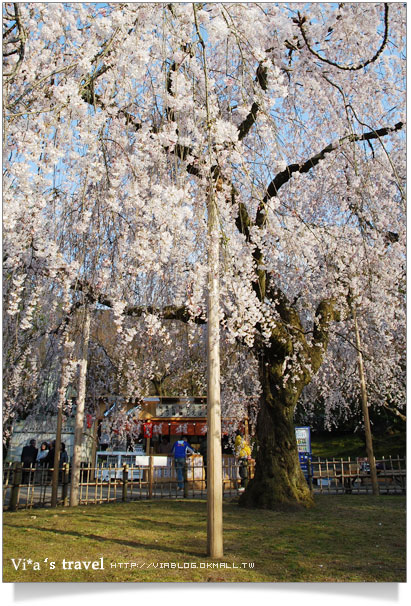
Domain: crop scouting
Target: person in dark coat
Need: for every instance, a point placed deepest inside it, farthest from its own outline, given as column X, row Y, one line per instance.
column 29, row 454
column 63, row 459
column 63, row 455
column 49, row 459
column 28, row 458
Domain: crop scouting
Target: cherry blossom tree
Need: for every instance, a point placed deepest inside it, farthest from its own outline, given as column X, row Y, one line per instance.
column 122, row 120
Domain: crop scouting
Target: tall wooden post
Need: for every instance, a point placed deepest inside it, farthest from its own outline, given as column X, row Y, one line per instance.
column 150, row 476
column 60, row 403
column 125, row 482
column 65, row 478
column 214, row 455
column 364, row 404
column 15, row 490
column 57, row 445
column 94, row 433
column 79, row 422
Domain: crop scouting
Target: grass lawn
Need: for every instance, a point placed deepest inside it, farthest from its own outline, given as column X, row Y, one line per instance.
column 346, row 538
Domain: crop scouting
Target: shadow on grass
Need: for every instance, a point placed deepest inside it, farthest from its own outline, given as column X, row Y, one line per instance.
column 348, row 539
column 111, row 540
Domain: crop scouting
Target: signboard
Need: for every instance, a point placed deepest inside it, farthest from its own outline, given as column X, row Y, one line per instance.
column 148, row 429
column 303, row 436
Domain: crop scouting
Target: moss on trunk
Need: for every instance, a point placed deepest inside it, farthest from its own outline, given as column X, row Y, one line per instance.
column 278, row 481
column 287, row 365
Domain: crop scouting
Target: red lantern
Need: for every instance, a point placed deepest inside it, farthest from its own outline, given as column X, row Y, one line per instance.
column 148, row 429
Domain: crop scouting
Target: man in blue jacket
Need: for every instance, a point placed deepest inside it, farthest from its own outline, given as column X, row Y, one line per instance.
column 179, row 450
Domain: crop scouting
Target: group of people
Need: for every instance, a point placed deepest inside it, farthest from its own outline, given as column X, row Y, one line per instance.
column 31, row 456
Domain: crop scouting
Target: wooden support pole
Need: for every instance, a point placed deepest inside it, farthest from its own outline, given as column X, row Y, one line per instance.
column 150, row 476
column 60, row 403
column 15, row 490
column 125, row 482
column 185, row 479
column 214, row 455
column 364, row 404
column 80, row 404
column 57, row 446
column 66, row 473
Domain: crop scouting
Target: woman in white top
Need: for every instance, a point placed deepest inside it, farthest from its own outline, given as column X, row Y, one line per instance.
column 42, row 453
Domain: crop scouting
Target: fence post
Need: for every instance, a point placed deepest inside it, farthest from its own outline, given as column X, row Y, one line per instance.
column 150, row 477
column 65, row 479
column 247, row 473
column 17, row 476
column 401, row 476
column 185, row 476
column 125, row 481
column 310, row 474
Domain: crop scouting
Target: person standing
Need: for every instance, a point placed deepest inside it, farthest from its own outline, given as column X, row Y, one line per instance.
column 243, row 453
column 63, row 459
column 42, row 453
column 63, row 455
column 28, row 458
column 203, row 452
column 180, row 449
column 41, row 462
column 49, row 459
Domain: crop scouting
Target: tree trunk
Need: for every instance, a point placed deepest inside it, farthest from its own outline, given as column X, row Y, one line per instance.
column 287, row 365
column 278, row 481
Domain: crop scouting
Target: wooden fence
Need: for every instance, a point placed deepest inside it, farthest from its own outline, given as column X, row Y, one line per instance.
column 31, row 487
column 352, row 476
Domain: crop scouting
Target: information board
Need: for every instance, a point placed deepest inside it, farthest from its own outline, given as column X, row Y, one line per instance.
column 303, row 436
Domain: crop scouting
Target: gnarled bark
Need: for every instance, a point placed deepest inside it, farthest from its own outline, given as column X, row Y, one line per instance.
column 279, row 481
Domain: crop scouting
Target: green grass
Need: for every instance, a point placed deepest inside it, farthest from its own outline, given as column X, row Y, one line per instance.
column 351, row 445
column 346, row 538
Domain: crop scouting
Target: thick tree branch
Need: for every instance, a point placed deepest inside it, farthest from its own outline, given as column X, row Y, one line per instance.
column 245, row 126
column 168, row 312
column 289, row 316
column 284, row 176
column 19, row 39
column 395, row 412
column 302, row 20
column 325, row 314
column 244, row 221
